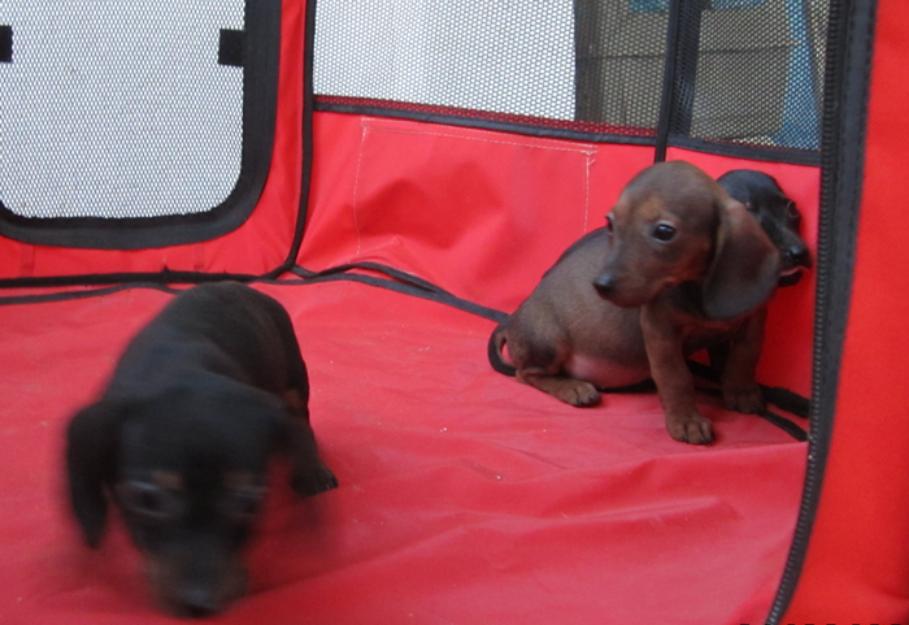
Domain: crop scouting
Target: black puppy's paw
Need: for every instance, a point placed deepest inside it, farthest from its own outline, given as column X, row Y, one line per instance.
column 313, row 480
column 747, row 399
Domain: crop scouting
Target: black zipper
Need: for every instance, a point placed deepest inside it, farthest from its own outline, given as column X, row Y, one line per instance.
column 849, row 39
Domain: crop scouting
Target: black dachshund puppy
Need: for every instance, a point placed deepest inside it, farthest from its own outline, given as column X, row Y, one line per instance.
column 181, row 438
column 777, row 214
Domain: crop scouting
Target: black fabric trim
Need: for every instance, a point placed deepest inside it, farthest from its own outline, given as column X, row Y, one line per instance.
column 746, row 151
column 63, row 296
column 6, row 43
column 485, row 124
column 680, row 71
column 688, row 17
column 849, row 54
column 308, row 107
column 260, row 52
column 230, row 47
column 669, row 69
column 387, row 270
column 402, row 282
column 161, row 277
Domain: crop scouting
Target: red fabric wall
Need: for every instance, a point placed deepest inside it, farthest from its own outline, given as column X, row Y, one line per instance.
column 857, row 567
column 484, row 214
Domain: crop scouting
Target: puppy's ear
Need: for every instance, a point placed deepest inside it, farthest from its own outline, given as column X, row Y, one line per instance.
column 745, row 265
column 91, row 449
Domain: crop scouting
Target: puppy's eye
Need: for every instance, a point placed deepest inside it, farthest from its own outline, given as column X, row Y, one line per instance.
column 244, row 504
column 610, row 224
column 663, row 232
column 149, row 500
column 793, row 215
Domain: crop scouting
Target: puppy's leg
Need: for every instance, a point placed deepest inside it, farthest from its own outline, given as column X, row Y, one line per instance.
column 740, row 389
column 569, row 390
column 674, row 382
column 539, row 357
column 310, row 474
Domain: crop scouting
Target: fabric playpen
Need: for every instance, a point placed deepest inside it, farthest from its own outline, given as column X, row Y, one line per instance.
column 400, row 172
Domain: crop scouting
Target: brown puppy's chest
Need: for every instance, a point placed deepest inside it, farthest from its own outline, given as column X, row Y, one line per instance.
column 703, row 333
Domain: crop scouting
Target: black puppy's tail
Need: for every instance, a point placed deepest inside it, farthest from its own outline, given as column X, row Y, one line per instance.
column 494, row 352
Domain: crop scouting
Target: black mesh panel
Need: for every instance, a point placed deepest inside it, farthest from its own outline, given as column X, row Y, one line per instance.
column 750, row 72
column 620, row 48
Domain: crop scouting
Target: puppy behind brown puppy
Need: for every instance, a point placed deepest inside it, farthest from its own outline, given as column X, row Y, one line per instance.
column 679, row 266
column 180, row 440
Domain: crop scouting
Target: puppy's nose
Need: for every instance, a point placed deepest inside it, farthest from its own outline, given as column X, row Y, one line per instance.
column 199, row 602
column 798, row 255
column 604, row 284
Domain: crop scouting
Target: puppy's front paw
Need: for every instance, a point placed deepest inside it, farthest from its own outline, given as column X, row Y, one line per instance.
column 313, row 480
column 579, row 393
column 690, row 428
column 746, row 399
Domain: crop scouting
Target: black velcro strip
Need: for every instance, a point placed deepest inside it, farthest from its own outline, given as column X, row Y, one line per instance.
column 6, row 43
column 230, row 48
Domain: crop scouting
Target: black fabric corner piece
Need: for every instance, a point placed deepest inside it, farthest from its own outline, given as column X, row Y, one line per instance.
column 230, row 47
column 6, row 44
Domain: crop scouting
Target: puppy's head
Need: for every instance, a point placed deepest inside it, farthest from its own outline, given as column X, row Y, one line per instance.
column 674, row 224
column 187, row 470
column 777, row 214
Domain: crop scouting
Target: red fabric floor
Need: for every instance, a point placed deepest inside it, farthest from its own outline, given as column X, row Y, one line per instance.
column 465, row 497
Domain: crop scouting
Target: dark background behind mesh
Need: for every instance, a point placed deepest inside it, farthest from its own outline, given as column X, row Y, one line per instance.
column 754, row 75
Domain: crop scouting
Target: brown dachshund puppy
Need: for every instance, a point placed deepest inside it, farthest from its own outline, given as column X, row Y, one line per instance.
column 679, row 266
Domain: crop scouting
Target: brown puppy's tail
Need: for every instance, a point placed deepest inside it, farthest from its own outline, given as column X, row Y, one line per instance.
column 494, row 352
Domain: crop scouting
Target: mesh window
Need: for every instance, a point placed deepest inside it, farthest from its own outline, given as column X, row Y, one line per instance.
column 119, row 111
column 752, row 72
column 583, row 66
column 745, row 72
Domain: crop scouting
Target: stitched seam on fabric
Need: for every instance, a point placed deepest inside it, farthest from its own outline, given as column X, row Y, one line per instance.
column 585, row 149
column 588, row 163
column 364, row 132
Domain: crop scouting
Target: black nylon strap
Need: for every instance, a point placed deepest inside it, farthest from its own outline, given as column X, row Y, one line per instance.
column 230, row 47
column 414, row 285
column 6, row 43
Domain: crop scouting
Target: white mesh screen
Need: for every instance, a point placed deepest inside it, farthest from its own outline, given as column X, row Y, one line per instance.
column 119, row 109
column 510, row 57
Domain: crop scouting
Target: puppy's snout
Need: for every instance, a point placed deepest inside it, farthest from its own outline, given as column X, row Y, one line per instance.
column 797, row 255
column 198, row 602
column 604, row 284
